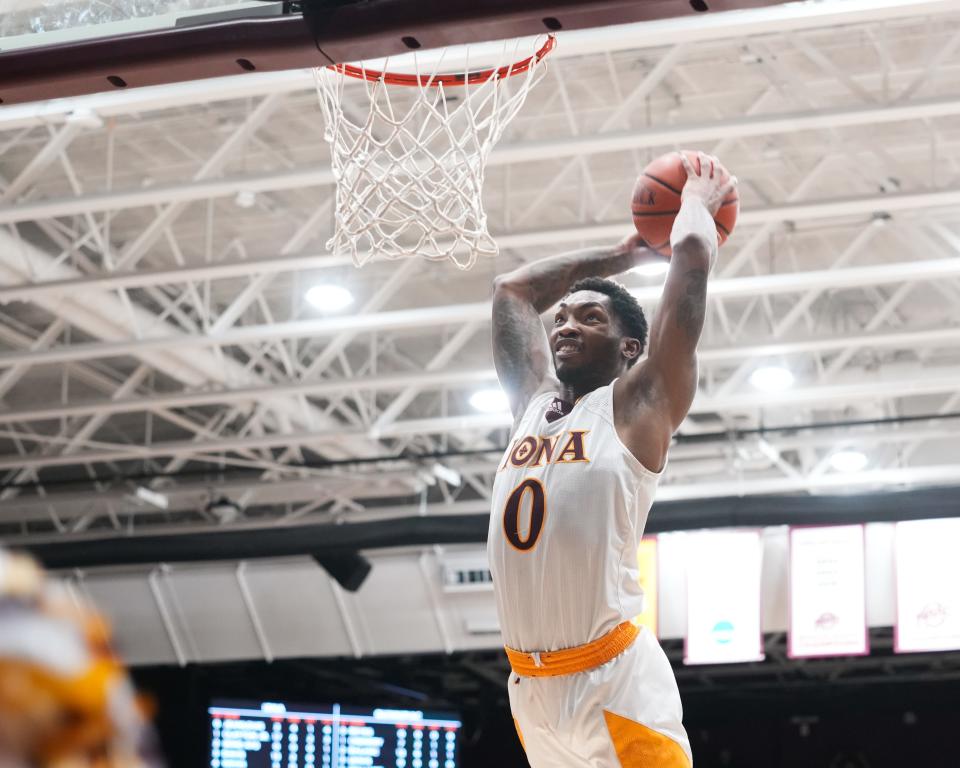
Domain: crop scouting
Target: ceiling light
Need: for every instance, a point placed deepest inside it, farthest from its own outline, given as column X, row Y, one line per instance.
column 449, row 476
column 155, row 499
column 490, row 401
column 245, row 198
column 653, row 269
column 848, row 460
column 771, row 378
column 329, row 297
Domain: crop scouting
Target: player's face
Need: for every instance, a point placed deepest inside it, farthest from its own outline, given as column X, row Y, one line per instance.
column 585, row 339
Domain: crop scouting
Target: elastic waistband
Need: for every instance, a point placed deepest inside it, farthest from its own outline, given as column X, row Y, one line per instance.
column 577, row 659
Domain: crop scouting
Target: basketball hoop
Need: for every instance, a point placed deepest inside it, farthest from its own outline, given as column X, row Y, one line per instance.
column 410, row 173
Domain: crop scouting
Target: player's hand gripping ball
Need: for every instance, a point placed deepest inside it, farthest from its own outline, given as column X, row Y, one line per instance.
column 658, row 194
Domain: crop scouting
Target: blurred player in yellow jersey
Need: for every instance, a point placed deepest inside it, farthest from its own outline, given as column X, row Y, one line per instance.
column 593, row 421
column 65, row 699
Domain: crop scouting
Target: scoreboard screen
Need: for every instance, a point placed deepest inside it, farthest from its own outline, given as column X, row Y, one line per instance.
column 276, row 735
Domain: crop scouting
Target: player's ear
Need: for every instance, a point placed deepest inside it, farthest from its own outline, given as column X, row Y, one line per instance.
column 630, row 348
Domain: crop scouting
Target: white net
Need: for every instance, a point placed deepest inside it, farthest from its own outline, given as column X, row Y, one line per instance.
column 409, row 173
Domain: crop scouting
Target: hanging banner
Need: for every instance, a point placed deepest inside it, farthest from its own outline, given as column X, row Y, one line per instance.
column 647, row 576
column 828, row 599
column 723, row 597
column 928, row 586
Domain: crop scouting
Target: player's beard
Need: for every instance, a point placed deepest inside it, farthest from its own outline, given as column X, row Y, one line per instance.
column 602, row 366
column 581, row 378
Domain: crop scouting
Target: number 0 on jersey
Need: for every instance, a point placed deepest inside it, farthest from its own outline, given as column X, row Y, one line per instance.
column 533, row 489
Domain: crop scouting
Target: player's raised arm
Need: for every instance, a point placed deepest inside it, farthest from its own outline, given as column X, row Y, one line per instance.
column 670, row 370
column 521, row 351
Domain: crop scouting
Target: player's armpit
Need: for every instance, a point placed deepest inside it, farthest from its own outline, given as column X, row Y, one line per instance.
column 521, row 352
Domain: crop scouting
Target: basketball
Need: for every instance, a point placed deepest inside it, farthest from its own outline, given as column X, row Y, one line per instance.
column 656, row 201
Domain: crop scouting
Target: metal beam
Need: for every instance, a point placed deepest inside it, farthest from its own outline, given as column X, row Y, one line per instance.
column 877, row 478
column 104, row 316
column 529, row 151
column 135, row 250
column 437, row 363
column 153, row 277
column 877, row 388
column 840, row 207
column 802, row 306
column 367, row 484
column 40, row 161
column 759, row 285
column 432, row 378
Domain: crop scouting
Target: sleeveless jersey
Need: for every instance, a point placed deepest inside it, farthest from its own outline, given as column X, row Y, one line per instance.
column 569, row 506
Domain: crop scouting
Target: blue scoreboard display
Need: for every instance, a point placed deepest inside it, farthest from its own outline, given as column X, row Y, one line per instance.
column 276, row 735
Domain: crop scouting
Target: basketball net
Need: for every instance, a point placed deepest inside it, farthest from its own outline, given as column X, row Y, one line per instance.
column 409, row 174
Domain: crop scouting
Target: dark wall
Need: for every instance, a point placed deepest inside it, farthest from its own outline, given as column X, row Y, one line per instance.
column 879, row 726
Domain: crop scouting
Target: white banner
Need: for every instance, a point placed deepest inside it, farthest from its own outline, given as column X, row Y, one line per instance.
column 723, row 597
column 828, row 606
column 928, row 586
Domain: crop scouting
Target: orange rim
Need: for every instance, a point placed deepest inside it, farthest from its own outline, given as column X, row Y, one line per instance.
column 393, row 78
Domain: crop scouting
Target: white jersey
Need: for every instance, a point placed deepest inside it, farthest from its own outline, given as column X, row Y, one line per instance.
column 569, row 506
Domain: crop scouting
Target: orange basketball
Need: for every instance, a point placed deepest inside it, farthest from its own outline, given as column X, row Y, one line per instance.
column 656, row 201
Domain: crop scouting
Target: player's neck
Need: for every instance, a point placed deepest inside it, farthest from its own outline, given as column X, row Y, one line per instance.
column 573, row 389
column 572, row 392
column 569, row 394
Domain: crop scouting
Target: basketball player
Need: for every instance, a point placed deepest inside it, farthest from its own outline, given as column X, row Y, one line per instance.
column 593, row 422
column 65, row 700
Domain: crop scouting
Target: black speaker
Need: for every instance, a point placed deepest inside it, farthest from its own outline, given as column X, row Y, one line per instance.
column 350, row 569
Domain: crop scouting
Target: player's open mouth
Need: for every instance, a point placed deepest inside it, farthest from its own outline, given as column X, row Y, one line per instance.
column 567, row 348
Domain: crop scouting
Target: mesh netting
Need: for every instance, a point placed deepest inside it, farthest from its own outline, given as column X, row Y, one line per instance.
column 409, row 173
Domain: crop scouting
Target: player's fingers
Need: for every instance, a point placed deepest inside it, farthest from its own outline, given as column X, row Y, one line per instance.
column 687, row 165
column 729, row 187
column 718, row 168
column 706, row 167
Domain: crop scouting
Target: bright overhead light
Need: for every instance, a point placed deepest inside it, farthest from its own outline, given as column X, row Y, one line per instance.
column 246, row 198
column 449, row 476
column 771, row 378
column 490, row 401
column 153, row 498
column 329, row 297
column 653, row 269
column 848, row 460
